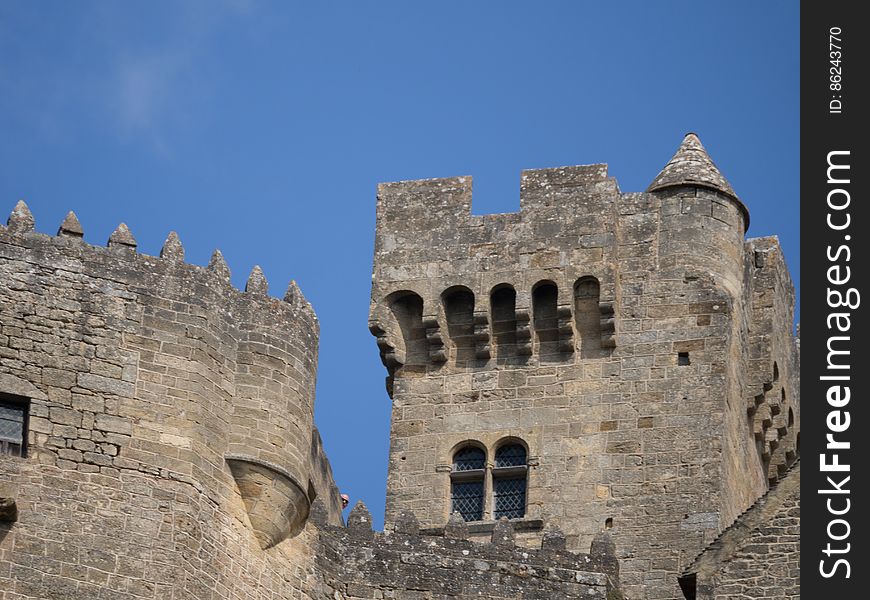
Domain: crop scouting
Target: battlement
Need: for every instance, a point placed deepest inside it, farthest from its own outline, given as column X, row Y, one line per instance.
column 360, row 563
column 121, row 253
column 451, row 197
column 152, row 364
column 441, row 208
column 563, row 202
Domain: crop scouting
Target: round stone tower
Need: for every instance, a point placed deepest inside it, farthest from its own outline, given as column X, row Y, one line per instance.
column 702, row 220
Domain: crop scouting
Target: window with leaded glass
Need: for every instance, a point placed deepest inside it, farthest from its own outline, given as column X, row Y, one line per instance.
column 470, row 458
column 467, row 498
column 467, row 483
column 509, row 496
column 510, row 455
column 509, row 482
column 13, row 425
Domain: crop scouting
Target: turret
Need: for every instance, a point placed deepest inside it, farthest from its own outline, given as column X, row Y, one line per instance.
column 702, row 219
column 691, row 166
column 204, row 373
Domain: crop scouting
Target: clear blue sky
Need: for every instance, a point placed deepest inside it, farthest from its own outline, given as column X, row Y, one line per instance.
column 263, row 128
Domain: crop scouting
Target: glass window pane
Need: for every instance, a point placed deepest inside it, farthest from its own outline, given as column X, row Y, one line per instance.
column 468, row 499
column 10, row 430
column 510, row 497
column 11, row 412
column 468, row 459
column 510, row 455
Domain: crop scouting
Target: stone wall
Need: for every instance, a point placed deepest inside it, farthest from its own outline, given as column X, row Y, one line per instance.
column 765, row 366
column 358, row 563
column 758, row 556
column 170, row 424
column 621, row 355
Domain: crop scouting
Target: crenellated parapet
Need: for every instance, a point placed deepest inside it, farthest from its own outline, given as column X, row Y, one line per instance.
column 155, row 365
column 359, row 562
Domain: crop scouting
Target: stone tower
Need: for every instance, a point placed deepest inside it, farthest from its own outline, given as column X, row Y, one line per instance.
column 165, row 439
column 598, row 360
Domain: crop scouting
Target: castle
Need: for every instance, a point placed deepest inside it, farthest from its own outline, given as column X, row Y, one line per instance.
column 595, row 397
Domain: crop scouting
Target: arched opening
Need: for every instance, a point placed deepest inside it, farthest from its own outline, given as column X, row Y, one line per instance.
column 467, row 482
column 458, row 305
column 509, row 481
column 407, row 308
column 503, row 312
column 790, row 418
column 545, row 298
column 775, row 372
column 587, row 316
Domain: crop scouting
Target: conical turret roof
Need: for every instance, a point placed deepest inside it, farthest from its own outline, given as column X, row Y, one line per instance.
column 691, row 165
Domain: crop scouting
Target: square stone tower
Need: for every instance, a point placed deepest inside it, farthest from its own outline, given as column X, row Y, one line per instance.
column 598, row 360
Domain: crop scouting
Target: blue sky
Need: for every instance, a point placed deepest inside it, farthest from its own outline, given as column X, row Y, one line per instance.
column 262, row 128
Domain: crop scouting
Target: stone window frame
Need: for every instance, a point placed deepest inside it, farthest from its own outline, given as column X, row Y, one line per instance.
column 490, row 473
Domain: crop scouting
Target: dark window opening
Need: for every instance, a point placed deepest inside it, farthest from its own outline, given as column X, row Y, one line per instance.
column 510, row 455
column 469, row 458
column 13, row 425
column 683, row 358
column 467, row 499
